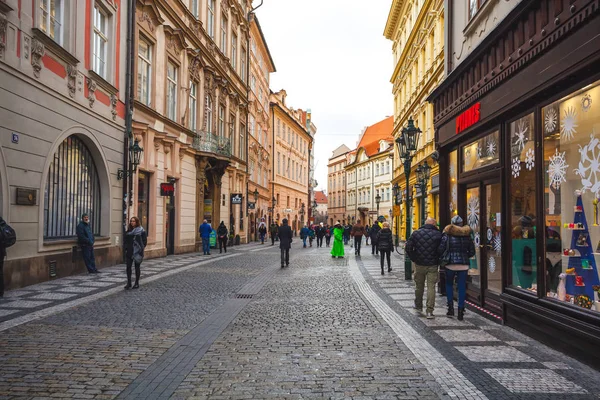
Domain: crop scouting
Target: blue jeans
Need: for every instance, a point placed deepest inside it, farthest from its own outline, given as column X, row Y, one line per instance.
column 206, row 245
column 88, row 258
column 461, row 283
column 262, row 238
column 304, row 242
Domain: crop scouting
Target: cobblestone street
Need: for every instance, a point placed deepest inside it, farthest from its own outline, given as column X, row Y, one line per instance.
column 237, row 326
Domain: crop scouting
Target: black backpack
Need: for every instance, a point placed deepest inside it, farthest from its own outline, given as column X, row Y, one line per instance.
column 8, row 236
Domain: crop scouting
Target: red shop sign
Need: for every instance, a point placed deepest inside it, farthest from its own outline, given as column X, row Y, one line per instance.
column 468, row 118
column 167, row 189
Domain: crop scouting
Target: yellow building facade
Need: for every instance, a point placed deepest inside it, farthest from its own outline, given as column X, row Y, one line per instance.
column 416, row 29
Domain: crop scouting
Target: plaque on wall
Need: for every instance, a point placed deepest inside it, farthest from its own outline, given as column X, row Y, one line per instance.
column 26, row 197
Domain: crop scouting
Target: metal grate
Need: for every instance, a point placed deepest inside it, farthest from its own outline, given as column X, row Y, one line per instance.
column 243, row 296
column 52, row 269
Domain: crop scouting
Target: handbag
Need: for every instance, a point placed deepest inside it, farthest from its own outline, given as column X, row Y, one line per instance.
column 445, row 257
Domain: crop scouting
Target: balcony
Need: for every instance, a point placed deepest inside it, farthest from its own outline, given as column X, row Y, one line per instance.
column 211, row 143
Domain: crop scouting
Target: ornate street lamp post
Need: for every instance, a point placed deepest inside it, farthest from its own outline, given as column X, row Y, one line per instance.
column 255, row 194
column 397, row 202
column 423, row 175
column 407, row 147
column 377, row 201
column 274, row 203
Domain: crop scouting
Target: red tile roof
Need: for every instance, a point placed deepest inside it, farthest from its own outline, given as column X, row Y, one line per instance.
column 320, row 197
column 374, row 133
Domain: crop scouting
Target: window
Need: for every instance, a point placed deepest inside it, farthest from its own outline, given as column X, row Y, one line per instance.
column 144, row 77
column 481, row 152
column 100, row 42
column 209, row 114
column 210, row 18
column 234, row 41
column 194, row 10
column 193, row 105
column 72, row 188
column 474, row 6
column 51, row 19
column 242, row 147
column 224, row 34
column 377, row 169
column 252, row 82
column 171, row 91
column 231, row 126
column 251, row 126
column 221, row 121
column 143, row 198
column 278, row 163
column 244, row 55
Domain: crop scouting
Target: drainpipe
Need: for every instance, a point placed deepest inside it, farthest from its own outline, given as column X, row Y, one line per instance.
column 128, row 180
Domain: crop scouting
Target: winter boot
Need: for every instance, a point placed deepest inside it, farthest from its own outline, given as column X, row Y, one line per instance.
column 450, row 312
column 461, row 313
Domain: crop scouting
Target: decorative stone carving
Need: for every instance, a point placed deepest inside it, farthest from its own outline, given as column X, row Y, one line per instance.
column 224, row 5
column 91, row 85
column 37, row 52
column 145, row 17
column 173, row 45
column 197, row 28
column 113, row 106
column 194, row 68
column 212, row 49
column 3, row 27
column 80, row 82
column 26, row 45
column 72, row 79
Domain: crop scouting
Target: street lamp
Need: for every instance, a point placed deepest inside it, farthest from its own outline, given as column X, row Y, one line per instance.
column 255, row 194
column 423, row 174
column 302, row 214
column 274, row 203
column 377, row 201
column 407, row 147
column 135, row 153
column 397, row 202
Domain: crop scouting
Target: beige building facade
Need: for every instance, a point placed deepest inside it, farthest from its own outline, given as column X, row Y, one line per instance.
column 336, row 184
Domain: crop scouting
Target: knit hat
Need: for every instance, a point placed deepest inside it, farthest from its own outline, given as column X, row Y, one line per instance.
column 457, row 220
column 83, row 215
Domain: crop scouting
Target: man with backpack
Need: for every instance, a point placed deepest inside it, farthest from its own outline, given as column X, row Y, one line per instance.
column 7, row 239
column 86, row 239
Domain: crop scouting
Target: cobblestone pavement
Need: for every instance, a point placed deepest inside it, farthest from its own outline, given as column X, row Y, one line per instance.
column 238, row 326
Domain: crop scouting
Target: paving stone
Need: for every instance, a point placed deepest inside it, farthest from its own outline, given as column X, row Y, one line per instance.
column 466, row 335
column 53, row 296
column 556, row 365
column 24, row 304
column 77, row 289
column 494, row 354
column 534, row 381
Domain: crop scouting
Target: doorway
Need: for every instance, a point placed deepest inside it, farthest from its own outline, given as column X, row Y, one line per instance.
column 170, row 223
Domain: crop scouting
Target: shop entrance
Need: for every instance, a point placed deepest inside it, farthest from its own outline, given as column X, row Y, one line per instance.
column 483, row 211
column 170, row 224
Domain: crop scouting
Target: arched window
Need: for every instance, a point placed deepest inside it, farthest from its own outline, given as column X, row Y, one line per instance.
column 209, row 114
column 72, row 188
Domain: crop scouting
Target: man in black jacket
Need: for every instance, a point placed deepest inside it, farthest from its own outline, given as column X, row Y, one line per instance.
column 422, row 248
column 285, row 242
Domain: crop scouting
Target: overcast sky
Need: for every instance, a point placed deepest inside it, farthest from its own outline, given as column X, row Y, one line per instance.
column 331, row 56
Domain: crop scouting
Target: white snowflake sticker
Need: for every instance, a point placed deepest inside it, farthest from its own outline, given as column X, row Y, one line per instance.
column 473, row 212
column 550, row 120
column 557, row 170
column 478, row 155
column 568, row 124
column 477, row 239
column 516, row 167
column 492, row 264
column 586, row 103
column 589, row 166
column 520, row 133
column 530, row 159
column 491, row 148
column 497, row 244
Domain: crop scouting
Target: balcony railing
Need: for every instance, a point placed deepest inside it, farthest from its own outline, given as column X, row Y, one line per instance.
column 211, row 143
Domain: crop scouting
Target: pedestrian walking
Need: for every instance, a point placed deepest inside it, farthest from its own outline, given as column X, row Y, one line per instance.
column 135, row 243
column 320, row 233
column 85, row 239
column 373, row 231
column 8, row 237
column 285, row 242
column 205, row 231
column 311, row 235
column 337, row 250
column 347, row 230
column 357, row 232
column 304, row 235
column 422, row 248
column 222, row 236
column 273, row 230
column 456, row 248
column 327, row 235
column 262, row 231
column 367, row 229
column 385, row 244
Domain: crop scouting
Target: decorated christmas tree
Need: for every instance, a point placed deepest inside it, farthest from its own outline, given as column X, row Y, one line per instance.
column 582, row 272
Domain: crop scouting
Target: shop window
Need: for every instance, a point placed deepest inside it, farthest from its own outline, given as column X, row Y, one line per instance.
column 571, row 198
column 523, row 213
column 453, row 184
column 143, row 195
column 481, row 153
column 473, row 220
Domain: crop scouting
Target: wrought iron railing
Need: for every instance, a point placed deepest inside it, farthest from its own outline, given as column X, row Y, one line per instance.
column 211, row 143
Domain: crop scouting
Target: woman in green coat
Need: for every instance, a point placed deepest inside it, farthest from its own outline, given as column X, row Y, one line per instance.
column 338, row 244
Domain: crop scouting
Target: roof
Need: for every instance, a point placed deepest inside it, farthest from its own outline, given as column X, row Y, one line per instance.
column 382, row 130
column 343, row 149
column 320, row 197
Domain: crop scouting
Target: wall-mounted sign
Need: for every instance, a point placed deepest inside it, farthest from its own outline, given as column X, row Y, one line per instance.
column 167, row 189
column 236, row 198
column 288, row 211
column 26, row 197
column 15, row 138
column 251, row 205
column 468, row 118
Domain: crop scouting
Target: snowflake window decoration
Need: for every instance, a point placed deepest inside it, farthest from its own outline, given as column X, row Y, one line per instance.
column 491, row 148
column 477, row 239
column 586, row 103
column 478, row 155
column 497, row 244
column 569, row 124
column 530, row 159
column 454, row 193
column 492, row 264
column 557, row 170
column 550, row 120
column 473, row 212
column 520, row 133
column 589, row 166
column 516, row 167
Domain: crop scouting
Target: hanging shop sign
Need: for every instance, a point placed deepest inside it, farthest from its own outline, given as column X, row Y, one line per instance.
column 236, row 198
column 468, row 118
column 251, row 205
column 167, row 189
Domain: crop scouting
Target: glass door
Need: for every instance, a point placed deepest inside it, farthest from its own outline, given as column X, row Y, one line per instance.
column 473, row 220
column 492, row 243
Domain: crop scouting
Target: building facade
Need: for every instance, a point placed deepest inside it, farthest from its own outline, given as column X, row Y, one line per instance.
column 62, row 94
column 260, row 141
column 515, row 123
column 369, row 175
column 190, row 116
column 320, row 211
column 336, row 184
column 293, row 142
column 416, row 29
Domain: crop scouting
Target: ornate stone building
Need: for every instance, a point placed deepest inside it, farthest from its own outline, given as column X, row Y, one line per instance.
column 336, row 184
column 260, row 139
column 62, row 93
column 190, row 116
column 416, row 29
